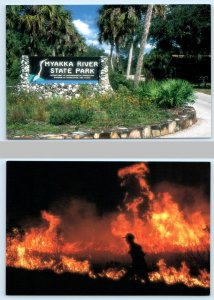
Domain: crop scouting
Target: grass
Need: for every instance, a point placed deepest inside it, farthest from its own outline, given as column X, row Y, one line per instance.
column 39, row 128
column 36, row 128
column 30, row 114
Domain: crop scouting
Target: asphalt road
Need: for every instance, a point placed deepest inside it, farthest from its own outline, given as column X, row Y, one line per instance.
column 202, row 128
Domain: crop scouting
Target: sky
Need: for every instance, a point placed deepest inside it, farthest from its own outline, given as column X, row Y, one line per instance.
column 85, row 20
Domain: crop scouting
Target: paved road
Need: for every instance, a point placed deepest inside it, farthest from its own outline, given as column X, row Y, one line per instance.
column 202, row 128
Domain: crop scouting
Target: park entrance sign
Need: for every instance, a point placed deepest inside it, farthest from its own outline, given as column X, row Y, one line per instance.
column 75, row 70
column 63, row 76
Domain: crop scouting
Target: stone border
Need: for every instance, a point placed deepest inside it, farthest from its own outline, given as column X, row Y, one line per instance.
column 61, row 89
column 185, row 118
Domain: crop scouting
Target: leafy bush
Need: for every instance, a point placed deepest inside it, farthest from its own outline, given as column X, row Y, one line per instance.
column 13, row 72
column 21, row 107
column 175, row 93
column 118, row 105
column 58, row 104
column 85, row 90
column 144, row 105
column 117, row 80
column 17, row 114
column 40, row 113
column 148, row 93
column 74, row 116
column 167, row 94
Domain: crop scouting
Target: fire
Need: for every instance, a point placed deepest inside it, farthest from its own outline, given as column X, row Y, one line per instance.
column 171, row 275
column 156, row 220
column 113, row 273
column 164, row 227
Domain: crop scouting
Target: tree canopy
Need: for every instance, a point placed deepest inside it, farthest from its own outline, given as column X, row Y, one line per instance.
column 186, row 30
column 172, row 30
column 40, row 30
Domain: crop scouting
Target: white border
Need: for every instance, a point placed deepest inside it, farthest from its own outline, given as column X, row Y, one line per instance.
column 3, row 230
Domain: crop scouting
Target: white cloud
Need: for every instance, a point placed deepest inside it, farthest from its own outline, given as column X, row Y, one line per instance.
column 106, row 48
column 107, row 51
column 82, row 27
column 90, row 33
column 92, row 42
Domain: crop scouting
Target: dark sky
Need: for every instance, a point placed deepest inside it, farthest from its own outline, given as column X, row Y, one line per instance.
column 35, row 186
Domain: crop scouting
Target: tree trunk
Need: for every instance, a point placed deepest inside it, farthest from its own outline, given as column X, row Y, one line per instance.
column 130, row 60
column 53, row 52
column 143, row 44
column 117, row 55
column 111, row 57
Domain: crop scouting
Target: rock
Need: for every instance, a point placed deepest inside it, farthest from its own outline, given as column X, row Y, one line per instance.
column 114, row 135
column 135, row 134
column 156, row 132
column 51, row 136
column 172, row 126
column 78, row 134
column 124, row 135
column 177, row 120
column 146, row 132
column 164, row 130
column 96, row 135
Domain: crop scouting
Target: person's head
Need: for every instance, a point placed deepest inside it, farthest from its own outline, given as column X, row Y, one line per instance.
column 130, row 238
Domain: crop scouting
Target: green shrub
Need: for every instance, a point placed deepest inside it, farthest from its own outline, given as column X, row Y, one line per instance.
column 24, row 106
column 74, row 116
column 85, row 90
column 58, row 104
column 175, row 93
column 120, row 105
column 14, row 69
column 117, row 80
column 148, row 91
column 24, row 96
column 40, row 113
column 169, row 93
column 17, row 114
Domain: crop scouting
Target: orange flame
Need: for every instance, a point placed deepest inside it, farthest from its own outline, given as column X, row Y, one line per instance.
column 171, row 275
column 113, row 273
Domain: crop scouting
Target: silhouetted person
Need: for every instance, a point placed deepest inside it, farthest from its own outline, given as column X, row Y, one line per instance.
column 139, row 267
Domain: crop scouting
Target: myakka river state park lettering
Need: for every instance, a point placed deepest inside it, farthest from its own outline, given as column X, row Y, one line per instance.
column 61, row 69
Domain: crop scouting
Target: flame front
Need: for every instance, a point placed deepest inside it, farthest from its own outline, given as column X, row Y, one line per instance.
column 157, row 222
column 171, row 275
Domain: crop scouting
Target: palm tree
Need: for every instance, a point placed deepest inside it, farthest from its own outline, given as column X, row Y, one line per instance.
column 143, row 44
column 106, row 31
column 12, row 16
column 115, row 23
column 134, row 13
column 32, row 22
column 112, row 25
column 57, row 21
column 50, row 25
column 159, row 10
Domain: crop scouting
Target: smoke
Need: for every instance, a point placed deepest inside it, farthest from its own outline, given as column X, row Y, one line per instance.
column 91, row 233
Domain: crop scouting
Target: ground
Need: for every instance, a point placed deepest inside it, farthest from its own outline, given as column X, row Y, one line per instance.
column 23, row 282
column 202, row 128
